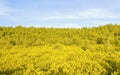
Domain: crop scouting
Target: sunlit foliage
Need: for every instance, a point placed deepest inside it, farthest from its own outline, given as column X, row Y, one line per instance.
column 60, row 51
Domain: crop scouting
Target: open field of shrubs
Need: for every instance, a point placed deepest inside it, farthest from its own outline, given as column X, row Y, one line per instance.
column 60, row 51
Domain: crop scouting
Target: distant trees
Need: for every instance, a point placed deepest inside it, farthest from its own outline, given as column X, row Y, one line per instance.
column 60, row 51
column 31, row 36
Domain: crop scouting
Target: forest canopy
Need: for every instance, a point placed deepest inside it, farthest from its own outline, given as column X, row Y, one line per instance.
column 60, row 51
column 31, row 36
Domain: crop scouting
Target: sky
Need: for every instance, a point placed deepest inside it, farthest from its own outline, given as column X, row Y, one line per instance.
column 59, row 13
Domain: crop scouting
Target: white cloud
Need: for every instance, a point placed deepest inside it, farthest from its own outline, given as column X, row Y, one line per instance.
column 72, row 25
column 4, row 8
column 4, row 11
column 85, row 14
column 97, row 14
column 60, row 17
column 65, row 25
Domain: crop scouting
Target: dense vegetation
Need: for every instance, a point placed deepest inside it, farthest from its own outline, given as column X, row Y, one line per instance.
column 60, row 51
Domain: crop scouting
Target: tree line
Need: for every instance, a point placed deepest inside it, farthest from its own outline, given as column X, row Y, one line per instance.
column 31, row 36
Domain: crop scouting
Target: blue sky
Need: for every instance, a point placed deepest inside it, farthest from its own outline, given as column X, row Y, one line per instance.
column 59, row 13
